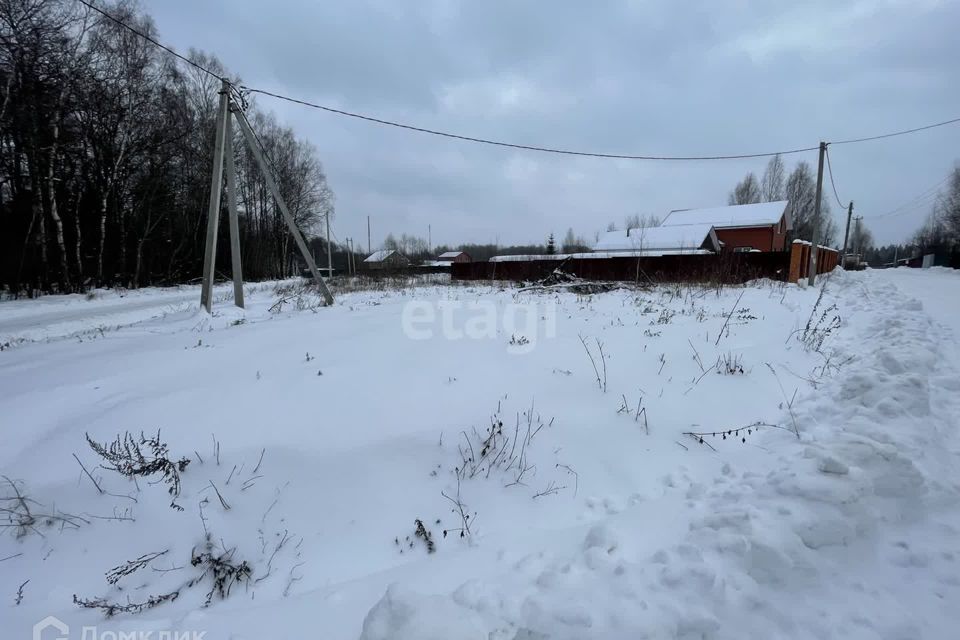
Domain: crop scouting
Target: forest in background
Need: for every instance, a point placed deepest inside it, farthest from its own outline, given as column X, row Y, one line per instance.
column 106, row 148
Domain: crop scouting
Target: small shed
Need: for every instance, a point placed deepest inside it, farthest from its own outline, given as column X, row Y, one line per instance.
column 385, row 259
column 658, row 241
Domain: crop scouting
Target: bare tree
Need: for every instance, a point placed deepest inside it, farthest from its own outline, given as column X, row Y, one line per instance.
column 948, row 206
column 772, row 185
column 861, row 239
column 573, row 243
column 940, row 232
column 801, row 190
column 747, row 191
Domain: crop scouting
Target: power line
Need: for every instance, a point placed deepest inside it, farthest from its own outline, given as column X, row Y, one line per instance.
column 909, row 207
column 832, row 183
column 445, row 134
column 149, row 39
column 498, row 143
column 897, row 133
column 924, row 198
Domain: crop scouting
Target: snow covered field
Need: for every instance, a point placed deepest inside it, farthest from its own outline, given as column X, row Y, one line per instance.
column 316, row 439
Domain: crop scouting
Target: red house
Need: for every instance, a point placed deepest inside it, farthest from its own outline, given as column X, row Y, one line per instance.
column 742, row 227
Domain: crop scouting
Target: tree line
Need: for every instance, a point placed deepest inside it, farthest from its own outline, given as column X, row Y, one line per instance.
column 106, row 149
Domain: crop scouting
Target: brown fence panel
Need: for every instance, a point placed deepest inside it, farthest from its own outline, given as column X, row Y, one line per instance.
column 732, row 268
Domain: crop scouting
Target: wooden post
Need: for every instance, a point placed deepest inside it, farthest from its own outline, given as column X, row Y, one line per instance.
column 213, row 212
column 272, row 185
column 796, row 258
column 233, row 217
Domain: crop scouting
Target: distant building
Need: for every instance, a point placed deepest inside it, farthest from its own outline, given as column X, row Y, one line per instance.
column 385, row 259
column 743, row 227
column 454, row 256
column 660, row 241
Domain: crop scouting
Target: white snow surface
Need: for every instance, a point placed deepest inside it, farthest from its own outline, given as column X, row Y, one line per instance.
column 678, row 238
column 740, row 215
column 849, row 531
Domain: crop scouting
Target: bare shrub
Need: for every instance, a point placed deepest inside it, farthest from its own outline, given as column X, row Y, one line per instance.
column 302, row 296
column 601, row 383
column 23, row 515
column 497, row 450
column 729, row 364
column 820, row 325
column 126, row 456
column 220, row 568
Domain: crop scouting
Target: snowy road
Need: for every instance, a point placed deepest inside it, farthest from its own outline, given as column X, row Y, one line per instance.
column 316, row 439
column 55, row 317
column 48, row 320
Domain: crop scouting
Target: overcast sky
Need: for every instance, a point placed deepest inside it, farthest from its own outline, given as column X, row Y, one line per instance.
column 653, row 78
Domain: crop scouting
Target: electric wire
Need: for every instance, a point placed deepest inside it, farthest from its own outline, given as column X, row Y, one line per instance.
column 491, row 142
column 832, row 183
column 924, row 198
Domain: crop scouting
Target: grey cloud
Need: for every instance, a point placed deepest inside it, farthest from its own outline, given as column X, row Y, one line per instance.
column 625, row 77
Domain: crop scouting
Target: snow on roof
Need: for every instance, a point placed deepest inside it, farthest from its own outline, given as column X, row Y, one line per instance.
column 596, row 255
column 379, row 256
column 673, row 238
column 740, row 215
column 450, row 254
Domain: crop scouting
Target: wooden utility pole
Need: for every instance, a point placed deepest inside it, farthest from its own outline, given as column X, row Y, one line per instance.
column 369, row 251
column 223, row 156
column 846, row 236
column 329, row 250
column 815, row 240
